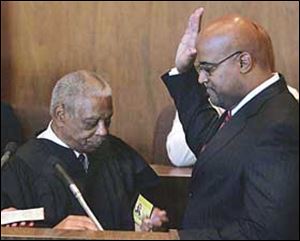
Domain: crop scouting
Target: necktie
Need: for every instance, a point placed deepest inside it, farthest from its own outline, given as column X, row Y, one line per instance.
column 84, row 162
column 223, row 120
column 227, row 116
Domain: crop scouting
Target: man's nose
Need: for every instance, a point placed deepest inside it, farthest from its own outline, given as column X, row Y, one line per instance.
column 202, row 79
column 102, row 129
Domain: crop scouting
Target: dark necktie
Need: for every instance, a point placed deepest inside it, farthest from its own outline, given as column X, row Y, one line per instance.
column 222, row 121
column 227, row 116
column 81, row 158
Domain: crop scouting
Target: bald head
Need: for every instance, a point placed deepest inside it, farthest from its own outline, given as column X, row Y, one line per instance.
column 75, row 85
column 233, row 33
column 235, row 55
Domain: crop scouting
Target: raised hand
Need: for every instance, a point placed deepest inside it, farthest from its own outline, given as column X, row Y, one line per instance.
column 186, row 52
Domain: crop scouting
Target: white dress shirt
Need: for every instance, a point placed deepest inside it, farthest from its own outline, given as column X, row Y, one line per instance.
column 51, row 136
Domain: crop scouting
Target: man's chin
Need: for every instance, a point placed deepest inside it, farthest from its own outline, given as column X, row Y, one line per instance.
column 213, row 100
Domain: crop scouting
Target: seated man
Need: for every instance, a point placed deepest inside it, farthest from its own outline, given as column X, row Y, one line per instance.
column 10, row 126
column 109, row 173
column 178, row 151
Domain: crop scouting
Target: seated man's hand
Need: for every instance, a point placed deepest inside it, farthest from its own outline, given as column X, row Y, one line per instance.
column 77, row 223
column 158, row 217
column 21, row 224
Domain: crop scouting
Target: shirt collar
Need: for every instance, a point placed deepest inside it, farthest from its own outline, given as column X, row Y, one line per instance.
column 51, row 136
column 275, row 77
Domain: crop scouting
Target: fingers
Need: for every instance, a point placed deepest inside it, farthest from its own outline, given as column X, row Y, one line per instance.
column 30, row 224
column 195, row 20
column 158, row 217
column 21, row 224
column 13, row 225
column 198, row 15
column 8, row 209
column 77, row 223
column 186, row 52
column 192, row 54
column 146, row 225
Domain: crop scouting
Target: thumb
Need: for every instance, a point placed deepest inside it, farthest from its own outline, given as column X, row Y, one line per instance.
column 192, row 51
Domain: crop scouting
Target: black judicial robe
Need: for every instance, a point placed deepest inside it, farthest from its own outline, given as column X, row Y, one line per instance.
column 117, row 174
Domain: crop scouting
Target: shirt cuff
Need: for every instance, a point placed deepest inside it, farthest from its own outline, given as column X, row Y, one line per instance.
column 174, row 71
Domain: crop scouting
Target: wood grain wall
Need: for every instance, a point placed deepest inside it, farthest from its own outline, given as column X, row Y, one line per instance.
column 129, row 43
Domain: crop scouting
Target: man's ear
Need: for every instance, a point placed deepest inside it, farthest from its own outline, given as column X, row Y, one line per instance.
column 59, row 115
column 246, row 62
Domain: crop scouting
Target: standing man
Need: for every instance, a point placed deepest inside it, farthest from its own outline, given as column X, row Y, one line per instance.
column 245, row 182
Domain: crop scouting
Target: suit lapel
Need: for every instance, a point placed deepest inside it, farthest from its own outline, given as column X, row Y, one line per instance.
column 219, row 141
column 223, row 136
column 233, row 127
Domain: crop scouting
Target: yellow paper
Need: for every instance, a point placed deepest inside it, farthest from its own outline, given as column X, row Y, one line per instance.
column 142, row 209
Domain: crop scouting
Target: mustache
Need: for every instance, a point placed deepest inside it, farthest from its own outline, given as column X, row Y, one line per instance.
column 96, row 141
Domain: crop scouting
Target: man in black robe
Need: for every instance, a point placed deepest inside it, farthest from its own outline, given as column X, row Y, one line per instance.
column 109, row 173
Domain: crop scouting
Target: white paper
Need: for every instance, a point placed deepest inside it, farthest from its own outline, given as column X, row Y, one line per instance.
column 34, row 214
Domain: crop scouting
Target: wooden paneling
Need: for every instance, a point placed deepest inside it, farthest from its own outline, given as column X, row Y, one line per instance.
column 129, row 43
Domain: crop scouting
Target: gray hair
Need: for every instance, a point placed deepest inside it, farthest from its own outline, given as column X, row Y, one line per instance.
column 72, row 85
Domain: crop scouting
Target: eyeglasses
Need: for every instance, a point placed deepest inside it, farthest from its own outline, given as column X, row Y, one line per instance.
column 211, row 67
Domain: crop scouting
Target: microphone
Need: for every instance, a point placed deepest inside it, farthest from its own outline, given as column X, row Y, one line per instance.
column 9, row 149
column 74, row 189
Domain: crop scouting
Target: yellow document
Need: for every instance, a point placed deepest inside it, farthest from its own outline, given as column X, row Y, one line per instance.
column 142, row 209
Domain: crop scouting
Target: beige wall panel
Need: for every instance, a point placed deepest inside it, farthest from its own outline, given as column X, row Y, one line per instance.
column 129, row 43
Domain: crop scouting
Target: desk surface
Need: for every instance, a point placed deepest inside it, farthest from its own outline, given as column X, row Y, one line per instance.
column 169, row 171
column 42, row 233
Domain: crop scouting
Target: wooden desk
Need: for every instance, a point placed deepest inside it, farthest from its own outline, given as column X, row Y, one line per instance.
column 42, row 234
column 169, row 171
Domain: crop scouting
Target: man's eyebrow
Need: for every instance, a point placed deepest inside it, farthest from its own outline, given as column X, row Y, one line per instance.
column 205, row 63
column 97, row 117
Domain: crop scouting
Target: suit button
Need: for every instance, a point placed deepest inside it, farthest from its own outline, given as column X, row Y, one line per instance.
column 190, row 195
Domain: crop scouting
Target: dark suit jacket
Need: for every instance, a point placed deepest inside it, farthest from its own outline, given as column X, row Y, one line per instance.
column 245, row 184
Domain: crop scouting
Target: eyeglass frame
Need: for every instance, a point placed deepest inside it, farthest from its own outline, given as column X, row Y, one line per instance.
column 202, row 66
